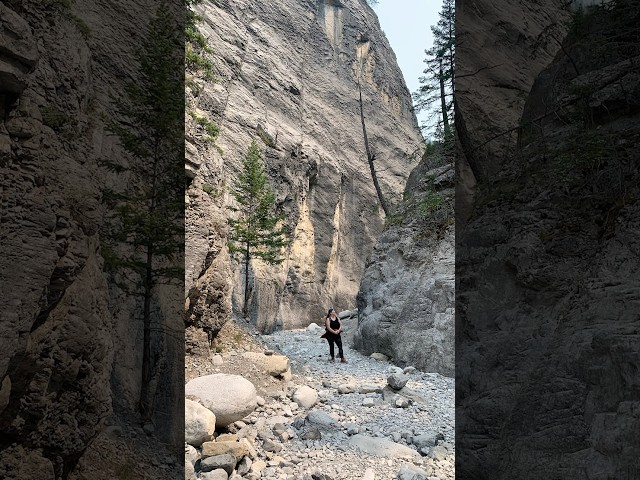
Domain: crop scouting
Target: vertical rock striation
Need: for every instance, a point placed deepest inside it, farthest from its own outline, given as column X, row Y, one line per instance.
column 64, row 342
column 287, row 75
column 547, row 272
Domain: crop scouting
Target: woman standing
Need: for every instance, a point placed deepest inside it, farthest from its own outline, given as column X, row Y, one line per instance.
column 333, row 324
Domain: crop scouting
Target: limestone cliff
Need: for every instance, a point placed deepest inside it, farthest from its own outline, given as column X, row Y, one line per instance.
column 547, row 333
column 286, row 75
column 406, row 297
column 69, row 349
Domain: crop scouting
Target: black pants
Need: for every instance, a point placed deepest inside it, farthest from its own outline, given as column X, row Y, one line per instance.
column 331, row 338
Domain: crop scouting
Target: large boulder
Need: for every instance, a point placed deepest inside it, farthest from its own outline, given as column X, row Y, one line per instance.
column 199, row 423
column 229, row 397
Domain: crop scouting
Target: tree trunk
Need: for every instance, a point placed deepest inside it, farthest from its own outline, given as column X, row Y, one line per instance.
column 443, row 100
column 374, row 177
column 246, row 281
column 146, row 404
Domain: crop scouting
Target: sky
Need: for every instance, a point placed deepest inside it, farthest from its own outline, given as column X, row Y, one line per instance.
column 406, row 23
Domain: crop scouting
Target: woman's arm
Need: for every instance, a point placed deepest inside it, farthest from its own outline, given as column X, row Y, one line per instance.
column 340, row 322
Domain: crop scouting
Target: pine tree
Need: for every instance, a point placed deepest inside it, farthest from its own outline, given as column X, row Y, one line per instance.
column 256, row 233
column 143, row 237
column 438, row 83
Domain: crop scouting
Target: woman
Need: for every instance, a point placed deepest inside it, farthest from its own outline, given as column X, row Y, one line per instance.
column 333, row 324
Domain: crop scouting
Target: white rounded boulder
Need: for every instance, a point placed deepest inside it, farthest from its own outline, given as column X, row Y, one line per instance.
column 199, row 423
column 305, row 396
column 229, row 397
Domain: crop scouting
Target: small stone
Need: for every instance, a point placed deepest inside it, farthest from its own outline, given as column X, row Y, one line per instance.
column 217, row 360
column 352, row 429
column 218, row 474
column 411, row 472
column 244, row 466
column 311, row 434
column 225, row 462
column 364, row 389
column 369, row 474
column 305, row 396
column 438, row 453
column 381, row 357
column 397, row 380
column 346, row 388
column 368, row 402
column 271, row 446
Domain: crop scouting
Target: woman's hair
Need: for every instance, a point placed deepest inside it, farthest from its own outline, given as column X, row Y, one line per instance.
column 329, row 312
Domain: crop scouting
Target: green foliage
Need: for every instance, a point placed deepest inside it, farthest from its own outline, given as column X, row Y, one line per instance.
column 429, row 148
column 196, row 47
column 197, row 63
column 581, row 22
column 144, row 228
column 396, row 219
column 56, row 118
column 211, row 190
column 82, row 26
column 143, row 233
column 256, row 232
column 191, row 18
column 584, row 153
column 437, row 85
column 191, row 83
column 126, row 471
column 198, row 39
column 430, row 203
column 209, row 126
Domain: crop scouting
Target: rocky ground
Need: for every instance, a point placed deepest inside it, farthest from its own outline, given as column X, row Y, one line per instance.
column 320, row 420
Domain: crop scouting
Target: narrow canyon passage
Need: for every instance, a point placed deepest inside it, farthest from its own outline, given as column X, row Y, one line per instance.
column 364, row 419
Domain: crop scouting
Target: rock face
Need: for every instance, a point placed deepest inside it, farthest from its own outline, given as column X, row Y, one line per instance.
column 503, row 46
column 286, row 76
column 63, row 348
column 406, row 298
column 546, row 338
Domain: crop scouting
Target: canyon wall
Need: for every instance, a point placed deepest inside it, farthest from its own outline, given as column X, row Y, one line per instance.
column 546, row 262
column 70, row 350
column 286, row 75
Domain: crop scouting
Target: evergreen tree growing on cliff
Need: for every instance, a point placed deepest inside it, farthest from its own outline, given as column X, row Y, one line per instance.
column 143, row 240
column 438, row 83
column 257, row 230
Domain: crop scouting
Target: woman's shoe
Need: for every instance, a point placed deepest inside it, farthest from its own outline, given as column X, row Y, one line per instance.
column 332, row 359
column 343, row 360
